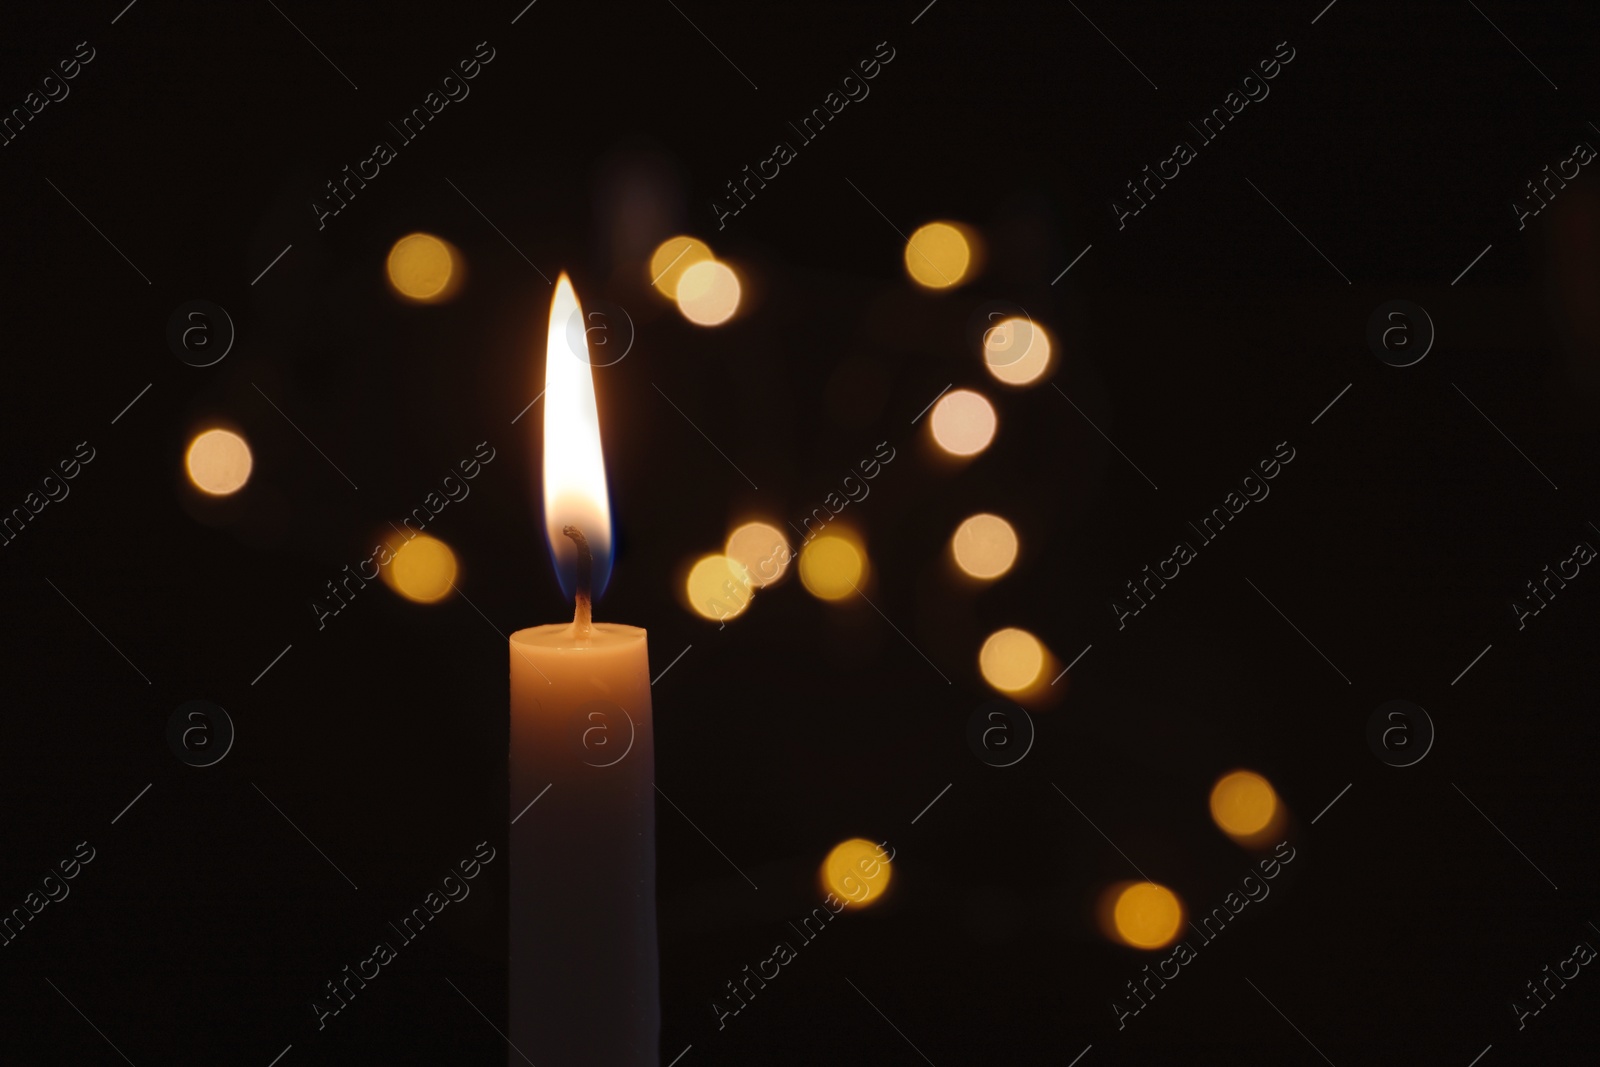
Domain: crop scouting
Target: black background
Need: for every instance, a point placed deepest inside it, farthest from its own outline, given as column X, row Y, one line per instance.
column 1198, row 337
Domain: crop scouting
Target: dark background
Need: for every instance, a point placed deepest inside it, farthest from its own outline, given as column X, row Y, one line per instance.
column 1197, row 337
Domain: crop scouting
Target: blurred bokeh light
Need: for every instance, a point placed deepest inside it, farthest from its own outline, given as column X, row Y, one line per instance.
column 831, row 566
column 857, row 872
column 1011, row 660
column 938, row 255
column 423, row 570
column 963, row 422
column 708, row 293
column 718, row 587
column 218, row 462
column 984, row 546
column 762, row 549
column 671, row 258
column 424, row 269
column 1016, row 351
column 1146, row 915
column 1244, row 806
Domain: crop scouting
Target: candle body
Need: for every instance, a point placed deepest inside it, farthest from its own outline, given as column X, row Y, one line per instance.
column 584, row 975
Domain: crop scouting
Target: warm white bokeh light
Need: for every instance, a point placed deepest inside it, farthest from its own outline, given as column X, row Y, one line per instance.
column 1244, row 805
column 857, row 872
column 718, row 587
column 985, row 546
column 671, row 258
column 1145, row 915
column 938, row 255
column 423, row 571
column 1016, row 350
column 1011, row 660
column 218, row 462
column 762, row 549
column 423, row 268
column 574, row 465
column 708, row 293
column 831, row 566
column 963, row 422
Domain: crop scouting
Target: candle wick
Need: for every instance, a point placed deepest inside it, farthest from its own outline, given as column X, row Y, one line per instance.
column 582, row 618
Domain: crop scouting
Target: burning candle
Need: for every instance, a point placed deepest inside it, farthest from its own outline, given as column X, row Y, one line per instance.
column 584, row 984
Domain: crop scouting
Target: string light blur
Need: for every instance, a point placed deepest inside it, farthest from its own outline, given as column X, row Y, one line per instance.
column 423, row 570
column 831, row 566
column 424, row 269
column 718, row 587
column 963, row 422
column 938, row 255
column 1244, row 805
column 984, row 546
column 857, row 871
column 671, row 258
column 1016, row 351
column 1146, row 915
column 708, row 293
column 763, row 551
column 1011, row 660
column 218, row 462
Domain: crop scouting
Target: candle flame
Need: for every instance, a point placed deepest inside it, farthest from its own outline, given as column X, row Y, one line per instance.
column 574, row 465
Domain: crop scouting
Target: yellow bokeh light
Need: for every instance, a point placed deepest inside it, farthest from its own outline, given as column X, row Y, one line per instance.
column 963, row 422
column 1244, row 804
column 671, row 258
column 1011, row 660
column 1147, row 915
column 938, row 255
column 708, row 293
column 1016, row 351
column 857, row 871
column 985, row 546
column 831, row 566
column 423, row 268
column 718, row 587
column 218, row 462
column 762, row 549
column 423, row 570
